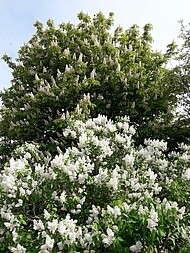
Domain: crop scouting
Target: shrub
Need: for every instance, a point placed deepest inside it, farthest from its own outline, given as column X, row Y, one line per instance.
column 102, row 194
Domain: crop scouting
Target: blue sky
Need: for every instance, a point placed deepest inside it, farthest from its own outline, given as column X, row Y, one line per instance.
column 18, row 16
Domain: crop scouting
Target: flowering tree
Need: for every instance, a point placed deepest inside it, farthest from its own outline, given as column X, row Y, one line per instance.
column 116, row 74
column 101, row 195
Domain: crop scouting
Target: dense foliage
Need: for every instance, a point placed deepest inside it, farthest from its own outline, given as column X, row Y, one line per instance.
column 117, row 72
column 104, row 195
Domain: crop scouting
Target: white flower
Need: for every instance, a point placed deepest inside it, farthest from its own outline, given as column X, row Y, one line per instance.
column 88, row 237
column 118, row 68
column 46, row 214
column 66, row 52
column 126, row 207
column 58, row 161
column 108, row 240
column 47, row 247
column 152, row 220
column 39, row 169
column 114, row 211
column 82, row 139
column 82, row 200
column 52, row 226
column 2, row 231
column 20, row 202
column 38, row 225
column 54, row 195
column 141, row 210
column 78, row 206
column 60, row 245
column 63, row 197
column 186, row 174
column 117, row 211
column 113, row 182
column 8, row 183
column 15, row 235
column 6, row 215
column 135, row 184
column 181, row 212
column 119, row 138
column 137, row 247
column 161, row 145
column 18, row 249
column 106, row 149
column 100, row 97
column 111, row 127
column 101, row 176
column 94, row 211
column 62, row 228
column 80, row 57
column 22, row 191
column 157, row 189
column 93, row 73
column 49, row 242
column 151, row 175
column 129, row 160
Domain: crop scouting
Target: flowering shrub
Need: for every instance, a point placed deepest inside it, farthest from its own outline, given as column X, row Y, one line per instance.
column 100, row 195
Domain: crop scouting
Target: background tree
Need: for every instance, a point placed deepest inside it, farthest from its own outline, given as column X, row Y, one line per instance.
column 105, row 73
column 178, row 130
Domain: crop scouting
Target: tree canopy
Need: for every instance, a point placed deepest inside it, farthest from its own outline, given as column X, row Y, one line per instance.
column 85, row 69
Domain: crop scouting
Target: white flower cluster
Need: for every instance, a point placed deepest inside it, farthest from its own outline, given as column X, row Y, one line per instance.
column 85, row 196
column 137, row 247
column 152, row 220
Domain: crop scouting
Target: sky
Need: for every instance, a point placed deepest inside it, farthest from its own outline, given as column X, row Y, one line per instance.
column 18, row 16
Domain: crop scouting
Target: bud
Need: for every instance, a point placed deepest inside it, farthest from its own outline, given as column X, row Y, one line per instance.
column 44, row 69
column 63, row 116
column 118, row 68
column 67, row 115
column 93, row 73
column 133, row 105
column 36, row 77
column 66, row 52
column 74, row 56
column 58, row 73
column 80, row 57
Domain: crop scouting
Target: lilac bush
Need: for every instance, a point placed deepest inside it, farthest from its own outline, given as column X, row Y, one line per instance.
column 102, row 194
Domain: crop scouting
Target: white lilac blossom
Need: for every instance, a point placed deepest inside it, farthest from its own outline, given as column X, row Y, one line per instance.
column 8, row 183
column 52, row 226
column 152, row 220
column 137, row 247
column 109, row 238
column 63, row 197
column 151, row 175
column 119, row 138
column 46, row 214
column 129, row 159
column 142, row 210
column 114, row 211
column 38, row 225
column 186, row 174
column 18, row 249
column 49, row 243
